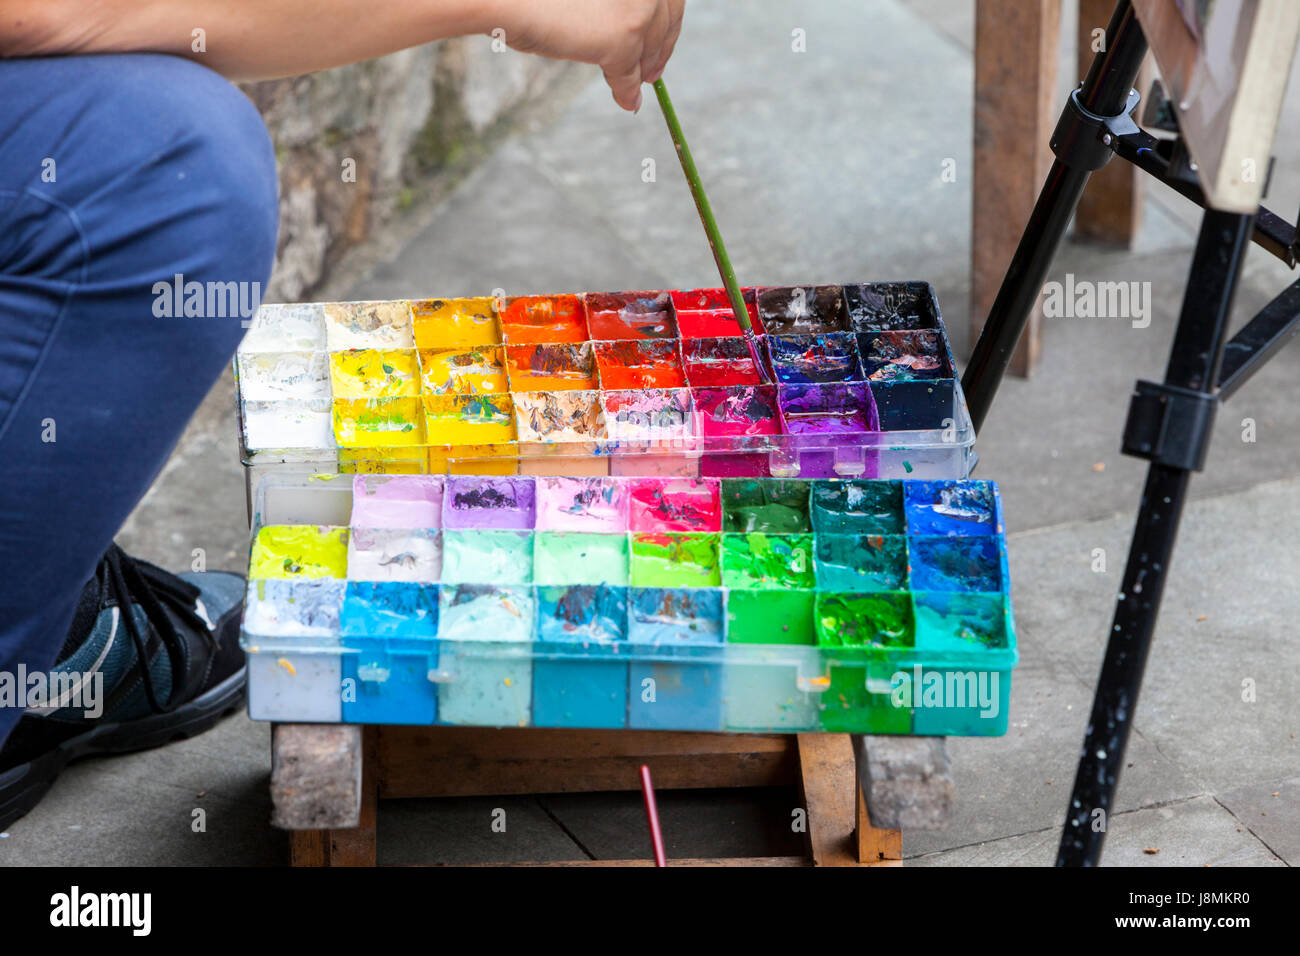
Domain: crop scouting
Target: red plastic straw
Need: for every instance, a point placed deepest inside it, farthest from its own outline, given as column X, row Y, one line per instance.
column 652, row 817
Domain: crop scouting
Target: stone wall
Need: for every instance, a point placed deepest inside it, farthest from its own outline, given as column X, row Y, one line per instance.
column 359, row 146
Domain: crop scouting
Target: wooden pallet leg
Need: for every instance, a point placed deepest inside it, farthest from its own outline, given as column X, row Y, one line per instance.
column 875, row 847
column 839, row 831
column 324, row 789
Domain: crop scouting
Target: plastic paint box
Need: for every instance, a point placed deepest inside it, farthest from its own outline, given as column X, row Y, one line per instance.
column 710, row 604
column 856, row 381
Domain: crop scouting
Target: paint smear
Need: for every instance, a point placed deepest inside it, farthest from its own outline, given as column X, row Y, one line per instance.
column 582, row 504
column 378, row 422
column 674, row 504
column 743, row 411
column 396, row 502
column 368, row 325
column 630, row 315
column 640, row 364
column 469, row 419
column 707, row 313
column 675, row 560
column 559, row 416
column 299, row 551
column 805, row 359
column 471, row 502
column 719, row 362
column 455, row 323
column 544, row 318
column 652, row 416
column 375, row 373
column 796, row 310
column 464, row 371
column 551, row 367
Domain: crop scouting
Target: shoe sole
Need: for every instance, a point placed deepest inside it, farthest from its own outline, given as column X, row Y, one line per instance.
column 23, row 786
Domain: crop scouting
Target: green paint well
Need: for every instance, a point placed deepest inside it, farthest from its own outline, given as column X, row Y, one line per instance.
column 675, row 560
column 883, row 621
column 859, row 506
column 771, row 617
column 863, row 562
column 580, row 558
column 773, row 506
column 758, row 560
column 963, row 623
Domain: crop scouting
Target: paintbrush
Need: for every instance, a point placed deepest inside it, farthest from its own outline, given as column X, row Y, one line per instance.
column 710, row 227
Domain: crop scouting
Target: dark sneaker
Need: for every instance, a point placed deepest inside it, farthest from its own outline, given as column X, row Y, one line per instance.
column 171, row 668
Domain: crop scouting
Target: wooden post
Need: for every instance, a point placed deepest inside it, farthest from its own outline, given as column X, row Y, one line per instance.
column 1111, row 208
column 1016, row 107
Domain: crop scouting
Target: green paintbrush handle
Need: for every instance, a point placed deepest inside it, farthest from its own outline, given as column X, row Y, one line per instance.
column 706, row 211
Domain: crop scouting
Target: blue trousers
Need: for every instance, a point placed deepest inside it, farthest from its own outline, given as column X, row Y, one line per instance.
column 116, row 173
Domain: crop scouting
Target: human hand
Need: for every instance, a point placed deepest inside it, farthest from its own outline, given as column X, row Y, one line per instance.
column 630, row 40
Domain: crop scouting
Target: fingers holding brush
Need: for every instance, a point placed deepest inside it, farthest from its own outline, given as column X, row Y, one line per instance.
column 630, row 40
column 653, row 68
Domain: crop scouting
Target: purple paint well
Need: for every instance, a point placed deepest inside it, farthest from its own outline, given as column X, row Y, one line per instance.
column 505, row 503
column 828, row 409
column 397, row 501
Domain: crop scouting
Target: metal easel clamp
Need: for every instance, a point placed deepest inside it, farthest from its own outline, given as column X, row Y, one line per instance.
column 1169, row 425
column 1084, row 140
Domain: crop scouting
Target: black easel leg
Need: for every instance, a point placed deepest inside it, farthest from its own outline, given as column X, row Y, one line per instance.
column 1104, row 93
column 1193, row 367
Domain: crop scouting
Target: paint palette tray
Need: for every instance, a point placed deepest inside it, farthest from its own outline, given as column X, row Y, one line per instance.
column 733, row 604
column 850, row 381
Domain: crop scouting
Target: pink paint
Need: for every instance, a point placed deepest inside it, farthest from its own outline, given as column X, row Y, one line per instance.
column 582, row 504
column 748, row 410
column 397, row 501
column 675, row 504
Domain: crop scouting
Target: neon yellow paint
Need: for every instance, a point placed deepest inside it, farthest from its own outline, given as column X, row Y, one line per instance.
column 469, row 420
column 291, row 551
column 375, row 373
column 448, row 323
column 464, row 371
column 378, row 423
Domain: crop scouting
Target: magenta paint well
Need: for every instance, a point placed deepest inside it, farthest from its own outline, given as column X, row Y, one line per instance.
column 675, row 504
column 715, row 362
column 630, row 315
column 706, row 313
column 739, row 411
column 397, row 501
column 582, row 504
column 504, row 503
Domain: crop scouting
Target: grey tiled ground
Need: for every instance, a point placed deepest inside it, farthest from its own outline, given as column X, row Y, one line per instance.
column 825, row 166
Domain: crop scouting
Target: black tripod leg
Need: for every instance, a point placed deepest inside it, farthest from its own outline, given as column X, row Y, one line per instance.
column 1180, row 407
column 1104, row 93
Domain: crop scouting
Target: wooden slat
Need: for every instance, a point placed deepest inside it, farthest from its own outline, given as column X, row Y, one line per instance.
column 720, row 861
column 466, row 761
column 874, row 847
column 1016, row 106
column 829, row 776
column 1111, row 208
column 309, row 847
column 358, row 846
